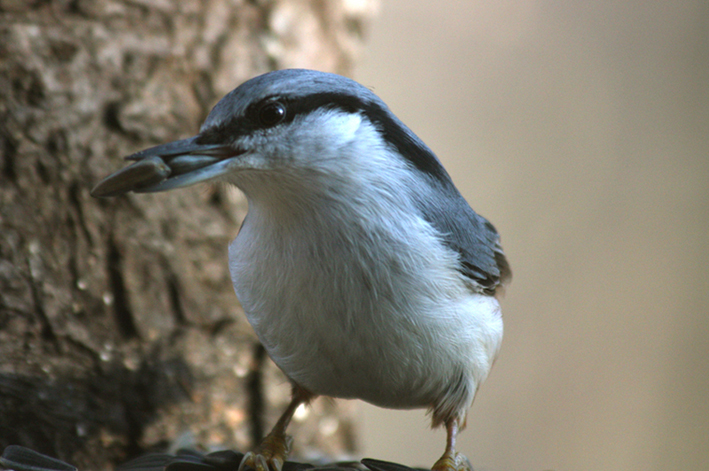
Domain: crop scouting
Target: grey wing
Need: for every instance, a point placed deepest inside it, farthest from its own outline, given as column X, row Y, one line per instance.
column 470, row 235
column 462, row 229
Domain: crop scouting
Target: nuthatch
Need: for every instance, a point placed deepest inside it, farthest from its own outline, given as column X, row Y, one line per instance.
column 360, row 266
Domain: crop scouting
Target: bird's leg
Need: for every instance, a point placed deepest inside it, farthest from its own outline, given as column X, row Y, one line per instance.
column 274, row 448
column 452, row 461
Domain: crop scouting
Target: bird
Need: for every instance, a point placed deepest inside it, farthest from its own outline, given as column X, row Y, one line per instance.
column 362, row 269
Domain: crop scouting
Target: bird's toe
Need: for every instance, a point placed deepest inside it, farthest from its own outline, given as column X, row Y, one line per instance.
column 453, row 462
column 269, row 456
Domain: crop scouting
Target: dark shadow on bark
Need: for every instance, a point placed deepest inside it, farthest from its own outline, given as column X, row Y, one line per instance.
column 61, row 416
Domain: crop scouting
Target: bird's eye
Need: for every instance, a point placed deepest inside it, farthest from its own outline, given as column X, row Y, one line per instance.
column 272, row 113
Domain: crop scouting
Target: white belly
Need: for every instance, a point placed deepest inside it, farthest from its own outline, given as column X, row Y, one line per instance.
column 365, row 315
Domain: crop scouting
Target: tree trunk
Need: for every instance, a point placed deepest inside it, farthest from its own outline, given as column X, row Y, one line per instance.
column 119, row 328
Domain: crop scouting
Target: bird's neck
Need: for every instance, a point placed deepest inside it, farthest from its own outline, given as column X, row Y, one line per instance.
column 290, row 198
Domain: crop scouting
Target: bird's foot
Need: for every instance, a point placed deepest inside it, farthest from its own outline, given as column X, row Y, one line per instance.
column 270, row 454
column 452, row 462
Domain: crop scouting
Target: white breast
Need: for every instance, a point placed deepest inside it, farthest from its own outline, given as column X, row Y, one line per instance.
column 354, row 295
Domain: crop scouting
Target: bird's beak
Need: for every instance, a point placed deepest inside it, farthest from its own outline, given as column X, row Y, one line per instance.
column 168, row 166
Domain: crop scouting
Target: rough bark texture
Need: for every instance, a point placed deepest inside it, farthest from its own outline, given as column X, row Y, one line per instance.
column 119, row 329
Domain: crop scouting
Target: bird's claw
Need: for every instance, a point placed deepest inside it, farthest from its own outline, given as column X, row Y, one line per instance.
column 269, row 456
column 452, row 462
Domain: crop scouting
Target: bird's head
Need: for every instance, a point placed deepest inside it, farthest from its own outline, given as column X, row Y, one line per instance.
column 279, row 123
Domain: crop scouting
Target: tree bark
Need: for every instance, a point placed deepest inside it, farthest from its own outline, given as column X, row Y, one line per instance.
column 119, row 328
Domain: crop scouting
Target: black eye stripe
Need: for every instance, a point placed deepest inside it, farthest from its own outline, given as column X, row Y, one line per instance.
column 301, row 106
column 393, row 131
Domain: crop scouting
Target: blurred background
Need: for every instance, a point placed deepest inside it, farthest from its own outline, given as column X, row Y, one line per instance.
column 580, row 129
